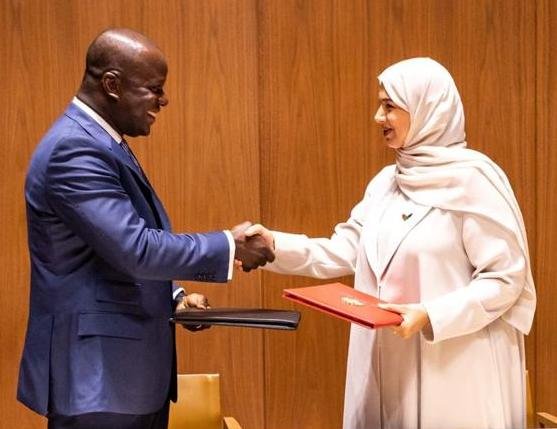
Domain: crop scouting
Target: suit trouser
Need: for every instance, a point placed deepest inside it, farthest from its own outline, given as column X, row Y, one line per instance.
column 157, row 420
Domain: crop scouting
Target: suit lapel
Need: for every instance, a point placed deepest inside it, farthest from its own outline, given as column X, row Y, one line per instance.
column 370, row 237
column 371, row 226
column 126, row 159
column 141, row 177
column 99, row 134
column 162, row 212
column 89, row 125
column 401, row 226
column 378, row 257
column 149, row 193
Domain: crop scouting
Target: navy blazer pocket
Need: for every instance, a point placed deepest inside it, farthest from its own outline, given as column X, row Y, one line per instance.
column 118, row 292
column 110, row 325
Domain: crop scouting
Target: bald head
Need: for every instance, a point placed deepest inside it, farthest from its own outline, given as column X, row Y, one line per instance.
column 124, row 77
column 118, row 49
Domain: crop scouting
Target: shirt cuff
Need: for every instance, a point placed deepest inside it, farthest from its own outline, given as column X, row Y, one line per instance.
column 232, row 247
column 178, row 292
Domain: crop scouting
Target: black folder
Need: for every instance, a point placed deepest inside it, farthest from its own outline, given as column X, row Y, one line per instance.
column 241, row 317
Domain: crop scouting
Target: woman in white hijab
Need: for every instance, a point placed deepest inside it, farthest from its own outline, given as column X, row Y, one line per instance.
column 441, row 237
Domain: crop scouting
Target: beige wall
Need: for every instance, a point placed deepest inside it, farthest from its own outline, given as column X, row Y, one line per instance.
column 270, row 120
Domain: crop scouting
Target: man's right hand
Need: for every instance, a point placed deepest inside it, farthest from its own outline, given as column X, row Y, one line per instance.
column 252, row 252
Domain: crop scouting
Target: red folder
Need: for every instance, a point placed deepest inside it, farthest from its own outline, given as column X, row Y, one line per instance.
column 345, row 303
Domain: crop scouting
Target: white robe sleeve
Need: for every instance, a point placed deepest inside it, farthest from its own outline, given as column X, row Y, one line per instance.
column 497, row 281
column 320, row 257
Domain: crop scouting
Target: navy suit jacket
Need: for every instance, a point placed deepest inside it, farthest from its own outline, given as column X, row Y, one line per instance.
column 102, row 263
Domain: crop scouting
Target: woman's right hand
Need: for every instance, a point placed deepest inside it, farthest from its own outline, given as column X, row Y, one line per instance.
column 259, row 229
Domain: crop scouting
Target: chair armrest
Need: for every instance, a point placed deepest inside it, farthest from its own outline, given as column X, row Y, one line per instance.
column 546, row 420
column 231, row 423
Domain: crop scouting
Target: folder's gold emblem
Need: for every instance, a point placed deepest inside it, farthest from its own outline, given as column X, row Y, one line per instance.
column 350, row 300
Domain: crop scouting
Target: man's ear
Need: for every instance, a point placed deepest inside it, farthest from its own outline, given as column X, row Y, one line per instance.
column 111, row 84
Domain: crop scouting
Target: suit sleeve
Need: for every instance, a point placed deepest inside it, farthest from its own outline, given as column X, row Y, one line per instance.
column 84, row 190
column 497, row 281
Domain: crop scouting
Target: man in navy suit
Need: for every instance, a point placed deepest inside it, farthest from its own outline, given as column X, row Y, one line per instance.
column 99, row 351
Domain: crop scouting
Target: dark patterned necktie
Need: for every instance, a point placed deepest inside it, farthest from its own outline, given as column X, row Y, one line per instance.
column 151, row 198
column 127, row 149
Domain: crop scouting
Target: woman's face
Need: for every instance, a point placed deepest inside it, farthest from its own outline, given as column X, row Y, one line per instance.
column 394, row 121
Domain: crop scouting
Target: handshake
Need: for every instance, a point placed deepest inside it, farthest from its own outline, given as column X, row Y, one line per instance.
column 254, row 246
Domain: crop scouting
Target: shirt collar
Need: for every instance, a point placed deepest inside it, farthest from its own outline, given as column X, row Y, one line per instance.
column 98, row 119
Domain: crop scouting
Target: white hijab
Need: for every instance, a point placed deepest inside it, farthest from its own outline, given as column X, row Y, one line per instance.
column 434, row 167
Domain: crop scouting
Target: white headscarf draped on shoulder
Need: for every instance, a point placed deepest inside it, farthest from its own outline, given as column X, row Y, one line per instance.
column 434, row 167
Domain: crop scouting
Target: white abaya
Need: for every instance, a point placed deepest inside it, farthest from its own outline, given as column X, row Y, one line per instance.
column 471, row 374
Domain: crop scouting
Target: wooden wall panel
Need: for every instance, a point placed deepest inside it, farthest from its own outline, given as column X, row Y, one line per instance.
column 315, row 126
column 546, row 208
